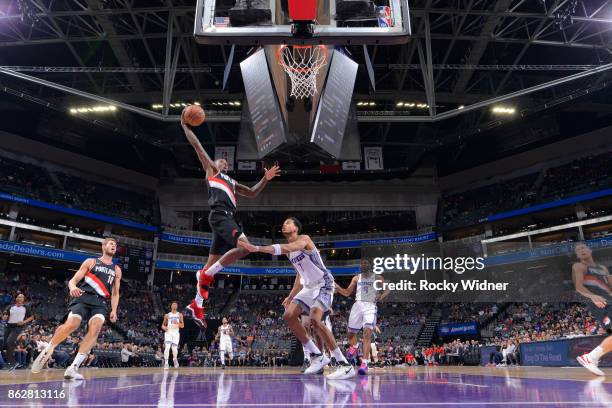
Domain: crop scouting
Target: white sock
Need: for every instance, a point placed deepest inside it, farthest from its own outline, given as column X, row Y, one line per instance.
column 338, row 355
column 80, row 357
column 311, row 348
column 596, row 353
column 199, row 299
column 214, row 268
column 222, row 358
column 49, row 348
column 306, row 354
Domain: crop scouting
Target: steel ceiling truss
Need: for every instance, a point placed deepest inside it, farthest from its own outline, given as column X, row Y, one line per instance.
column 153, row 47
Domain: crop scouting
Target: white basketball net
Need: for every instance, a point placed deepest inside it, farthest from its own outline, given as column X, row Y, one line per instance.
column 302, row 64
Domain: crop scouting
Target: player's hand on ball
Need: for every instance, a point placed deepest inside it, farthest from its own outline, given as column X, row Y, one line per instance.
column 76, row 292
column 113, row 316
column 272, row 172
column 248, row 246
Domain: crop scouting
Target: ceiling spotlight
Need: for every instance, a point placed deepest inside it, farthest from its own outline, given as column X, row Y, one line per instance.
column 461, row 107
column 96, row 109
column 372, row 103
column 400, row 104
column 503, row 110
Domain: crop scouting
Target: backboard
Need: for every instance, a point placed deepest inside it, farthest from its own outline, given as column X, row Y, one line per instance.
column 338, row 22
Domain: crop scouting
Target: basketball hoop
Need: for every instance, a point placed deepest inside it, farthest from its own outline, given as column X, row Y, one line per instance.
column 302, row 63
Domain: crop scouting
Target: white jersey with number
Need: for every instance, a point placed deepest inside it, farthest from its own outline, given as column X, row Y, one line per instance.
column 309, row 265
column 365, row 288
column 363, row 312
column 174, row 320
column 225, row 339
column 172, row 334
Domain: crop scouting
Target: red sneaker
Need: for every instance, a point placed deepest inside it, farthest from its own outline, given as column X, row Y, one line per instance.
column 197, row 313
column 204, row 283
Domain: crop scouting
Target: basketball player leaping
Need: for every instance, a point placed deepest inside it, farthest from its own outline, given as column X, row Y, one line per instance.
column 363, row 312
column 314, row 296
column 224, row 336
column 593, row 281
column 222, row 190
column 173, row 322
column 95, row 283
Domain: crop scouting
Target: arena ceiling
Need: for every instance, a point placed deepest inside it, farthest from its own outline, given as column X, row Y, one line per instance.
column 142, row 53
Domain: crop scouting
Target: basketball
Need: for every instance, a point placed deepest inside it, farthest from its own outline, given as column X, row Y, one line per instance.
column 194, row 115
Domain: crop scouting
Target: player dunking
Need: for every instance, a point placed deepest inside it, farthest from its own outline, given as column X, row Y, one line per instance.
column 363, row 312
column 173, row 322
column 95, row 283
column 224, row 336
column 593, row 281
column 222, row 190
column 314, row 296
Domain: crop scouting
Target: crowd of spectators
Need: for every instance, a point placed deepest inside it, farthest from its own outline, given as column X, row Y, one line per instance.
column 262, row 337
column 583, row 175
column 34, row 181
column 529, row 322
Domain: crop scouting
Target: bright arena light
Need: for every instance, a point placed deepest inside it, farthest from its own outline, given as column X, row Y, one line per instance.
column 503, row 110
column 93, row 109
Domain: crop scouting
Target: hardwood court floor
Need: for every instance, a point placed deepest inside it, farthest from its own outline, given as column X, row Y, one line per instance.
column 286, row 387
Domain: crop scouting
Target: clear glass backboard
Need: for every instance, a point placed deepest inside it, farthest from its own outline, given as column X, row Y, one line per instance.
column 341, row 22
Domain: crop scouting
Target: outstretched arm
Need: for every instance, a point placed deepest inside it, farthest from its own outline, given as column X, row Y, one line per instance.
column 207, row 163
column 349, row 290
column 254, row 191
column 165, row 323
column 78, row 276
column 297, row 286
column 115, row 295
column 385, row 292
column 278, row 249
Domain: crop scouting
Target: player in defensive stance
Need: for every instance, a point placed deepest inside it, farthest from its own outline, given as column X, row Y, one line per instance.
column 593, row 281
column 172, row 323
column 314, row 296
column 224, row 336
column 363, row 312
column 95, row 283
column 222, row 191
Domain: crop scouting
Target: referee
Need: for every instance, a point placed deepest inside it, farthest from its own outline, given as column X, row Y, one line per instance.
column 17, row 319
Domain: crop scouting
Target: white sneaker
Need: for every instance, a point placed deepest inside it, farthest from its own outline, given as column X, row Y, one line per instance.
column 343, row 372
column 166, row 366
column 317, row 363
column 40, row 361
column 71, row 373
column 176, row 364
column 589, row 364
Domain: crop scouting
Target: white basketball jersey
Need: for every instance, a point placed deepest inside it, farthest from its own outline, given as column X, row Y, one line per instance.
column 174, row 320
column 308, row 265
column 365, row 289
column 224, row 331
